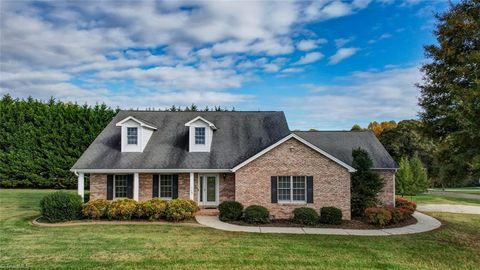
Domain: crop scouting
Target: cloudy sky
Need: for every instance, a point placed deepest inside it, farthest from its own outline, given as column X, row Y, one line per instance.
column 327, row 64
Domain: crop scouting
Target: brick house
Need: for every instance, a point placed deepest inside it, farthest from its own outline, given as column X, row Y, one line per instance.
column 210, row 157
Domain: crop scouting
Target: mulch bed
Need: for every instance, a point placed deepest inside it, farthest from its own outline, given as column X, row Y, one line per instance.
column 43, row 222
column 346, row 224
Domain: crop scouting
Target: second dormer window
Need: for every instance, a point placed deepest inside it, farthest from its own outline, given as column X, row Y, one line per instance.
column 199, row 135
column 132, row 135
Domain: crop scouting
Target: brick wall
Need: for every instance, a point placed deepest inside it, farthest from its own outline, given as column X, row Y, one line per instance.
column 98, row 186
column 145, row 189
column 387, row 195
column 227, row 187
column 331, row 182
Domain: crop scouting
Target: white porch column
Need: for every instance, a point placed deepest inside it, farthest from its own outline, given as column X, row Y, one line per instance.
column 81, row 185
column 192, row 179
column 136, row 183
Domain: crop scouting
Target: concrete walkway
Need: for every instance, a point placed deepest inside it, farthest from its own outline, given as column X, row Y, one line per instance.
column 425, row 223
column 450, row 208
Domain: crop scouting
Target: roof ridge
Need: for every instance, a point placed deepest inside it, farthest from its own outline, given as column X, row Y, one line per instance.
column 331, row 131
column 198, row 111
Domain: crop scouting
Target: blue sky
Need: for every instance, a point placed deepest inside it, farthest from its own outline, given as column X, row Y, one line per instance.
column 326, row 64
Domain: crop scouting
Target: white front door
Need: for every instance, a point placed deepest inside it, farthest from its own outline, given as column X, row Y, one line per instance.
column 208, row 191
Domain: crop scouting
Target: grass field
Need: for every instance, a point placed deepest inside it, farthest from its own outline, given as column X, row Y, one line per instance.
column 467, row 190
column 455, row 246
column 439, row 199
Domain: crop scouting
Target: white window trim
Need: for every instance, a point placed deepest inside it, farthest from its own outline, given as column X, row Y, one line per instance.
column 204, row 136
column 114, row 191
column 136, row 136
column 160, row 186
column 291, row 201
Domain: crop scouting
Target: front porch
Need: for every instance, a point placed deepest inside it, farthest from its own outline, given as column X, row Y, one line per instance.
column 207, row 188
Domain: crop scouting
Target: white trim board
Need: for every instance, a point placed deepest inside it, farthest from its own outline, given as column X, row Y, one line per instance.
column 152, row 170
column 292, row 135
column 142, row 124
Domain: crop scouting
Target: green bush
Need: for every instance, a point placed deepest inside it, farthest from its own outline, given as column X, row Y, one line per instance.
column 61, row 206
column 305, row 215
column 378, row 216
column 122, row 209
column 153, row 209
column 399, row 214
column 95, row 209
column 331, row 215
column 180, row 209
column 256, row 214
column 230, row 210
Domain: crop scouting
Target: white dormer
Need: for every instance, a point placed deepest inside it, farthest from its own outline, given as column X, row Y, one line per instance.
column 200, row 134
column 135, row 134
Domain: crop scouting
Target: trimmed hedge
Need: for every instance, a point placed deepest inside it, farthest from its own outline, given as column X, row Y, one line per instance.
column 256, row 214
column 153, row 209
column 331, row 215
column 305, row 215
column 122, row 209
column 404, row 203
column 230, row 210
column 95, row 209
column 180, row 209
column 61, row 206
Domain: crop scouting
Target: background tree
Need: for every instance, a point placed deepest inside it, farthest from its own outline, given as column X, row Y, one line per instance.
column 366, row 184
column 419, row 176
column 357, row 127
column 450, row 92
column 379, row 128
column 403, row 177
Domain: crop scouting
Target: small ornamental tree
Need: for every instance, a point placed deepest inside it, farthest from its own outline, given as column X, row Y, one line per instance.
column 403, row 177
column 366, row 184
column 419, row 175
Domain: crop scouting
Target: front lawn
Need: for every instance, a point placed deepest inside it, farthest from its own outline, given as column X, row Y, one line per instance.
column 440, row 199
column 455, row 246
column 466, row 190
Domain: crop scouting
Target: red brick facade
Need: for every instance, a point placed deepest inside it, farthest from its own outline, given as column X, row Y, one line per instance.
column 387, row 195
column 331, row 182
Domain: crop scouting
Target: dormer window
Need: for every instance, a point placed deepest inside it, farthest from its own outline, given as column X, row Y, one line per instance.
column 199, row 135
column 132, row 135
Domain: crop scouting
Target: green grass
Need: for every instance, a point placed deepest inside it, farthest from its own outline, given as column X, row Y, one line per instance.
column 439, row 199
column 467, row 190
column 454, row 246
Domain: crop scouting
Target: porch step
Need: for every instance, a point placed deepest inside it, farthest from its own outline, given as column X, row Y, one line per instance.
column 207, row 212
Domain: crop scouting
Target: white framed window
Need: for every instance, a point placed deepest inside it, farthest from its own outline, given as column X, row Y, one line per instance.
column 291, row 189
column 120, row 186
column 199, row 135
column 132, row 135
column 166, row 186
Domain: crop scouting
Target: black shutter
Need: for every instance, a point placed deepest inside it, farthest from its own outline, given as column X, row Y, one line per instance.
column 110, row 187
column 274, row 189
column 309, row 189
column 175, row 186
column 130, row 186
column 155, row 186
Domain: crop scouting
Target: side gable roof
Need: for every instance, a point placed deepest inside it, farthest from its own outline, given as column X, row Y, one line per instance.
column 167, row 149
column 293, row 135
column 341, row 143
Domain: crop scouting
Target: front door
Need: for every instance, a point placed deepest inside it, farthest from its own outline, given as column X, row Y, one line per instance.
column 208, row 190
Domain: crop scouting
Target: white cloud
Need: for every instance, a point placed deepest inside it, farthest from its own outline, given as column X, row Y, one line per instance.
column 310, row 44
column 292, row 70
column 341, row 54
column 381, row 37
column 340, row 42
column 309, row 58
column 371, row 95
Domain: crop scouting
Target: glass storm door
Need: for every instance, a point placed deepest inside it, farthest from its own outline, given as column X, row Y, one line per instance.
column 209, row 190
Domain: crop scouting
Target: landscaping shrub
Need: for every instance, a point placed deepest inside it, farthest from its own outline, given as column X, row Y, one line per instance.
column 230, row 210
column 331, row 215
column 153, row 209
column 180, row 209
column 122, row 209
column 256, row 214
column 399, row 214
column 61, row 206
column 305, row 215
column 404, row 203
column 378, row 216
column 95, row 209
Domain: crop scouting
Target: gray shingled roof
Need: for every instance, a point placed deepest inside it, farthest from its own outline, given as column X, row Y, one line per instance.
column 341, row 143
column 239, row 136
